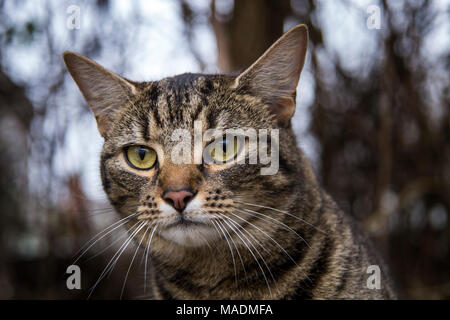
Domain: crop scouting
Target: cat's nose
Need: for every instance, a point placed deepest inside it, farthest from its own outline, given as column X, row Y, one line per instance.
column 178, row 199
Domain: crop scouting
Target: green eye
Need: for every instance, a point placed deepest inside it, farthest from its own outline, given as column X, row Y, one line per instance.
column 223, row 151
column 140, row 157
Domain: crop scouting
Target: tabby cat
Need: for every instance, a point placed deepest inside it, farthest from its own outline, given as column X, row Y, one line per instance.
column 223, row 230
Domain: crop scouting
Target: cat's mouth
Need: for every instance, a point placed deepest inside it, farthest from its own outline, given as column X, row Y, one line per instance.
column 186, row 231
column 184, row 222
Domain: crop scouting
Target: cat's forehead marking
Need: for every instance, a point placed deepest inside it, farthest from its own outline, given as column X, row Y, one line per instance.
column 177, row 102
column 180, row 100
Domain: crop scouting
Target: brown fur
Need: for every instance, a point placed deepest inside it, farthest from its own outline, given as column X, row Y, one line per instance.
column 302, row 247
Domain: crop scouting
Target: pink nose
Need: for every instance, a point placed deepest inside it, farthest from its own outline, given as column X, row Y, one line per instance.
column 178, row 199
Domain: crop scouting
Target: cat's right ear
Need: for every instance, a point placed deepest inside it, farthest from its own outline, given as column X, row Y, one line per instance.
column 105, row 92
column 275, row 75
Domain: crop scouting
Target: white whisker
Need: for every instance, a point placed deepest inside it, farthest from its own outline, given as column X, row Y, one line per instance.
column 283, row 212
column 252, row 213
column 110, row 265
column 251, row 252
column 147, row 249
column 132, row 260
column 121, row 222
column 229, row 246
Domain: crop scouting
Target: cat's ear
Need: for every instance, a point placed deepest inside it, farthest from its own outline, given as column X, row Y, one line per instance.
column 104, row 91
column 275, row 75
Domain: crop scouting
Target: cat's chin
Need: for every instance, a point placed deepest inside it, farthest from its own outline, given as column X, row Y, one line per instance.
column 189, row 235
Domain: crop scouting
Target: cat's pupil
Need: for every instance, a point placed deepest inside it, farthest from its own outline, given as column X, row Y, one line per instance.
column 142, row 153
column 224, row 146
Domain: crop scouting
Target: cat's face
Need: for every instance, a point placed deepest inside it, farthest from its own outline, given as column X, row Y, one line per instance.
column 183, row 198
column 192, row 203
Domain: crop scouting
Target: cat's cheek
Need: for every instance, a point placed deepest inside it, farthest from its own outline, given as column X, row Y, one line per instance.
column 216, row 168
column 166, row 211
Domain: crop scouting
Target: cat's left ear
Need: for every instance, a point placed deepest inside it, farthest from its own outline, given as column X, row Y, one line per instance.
column 105, row 92
column 275, row 75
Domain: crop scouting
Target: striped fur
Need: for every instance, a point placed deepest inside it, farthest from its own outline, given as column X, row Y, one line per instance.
column 273, row 237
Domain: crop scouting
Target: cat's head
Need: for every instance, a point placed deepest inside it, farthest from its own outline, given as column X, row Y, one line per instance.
column 152, row 163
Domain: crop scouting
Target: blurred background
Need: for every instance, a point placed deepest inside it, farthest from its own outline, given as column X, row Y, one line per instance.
column 373, row 115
